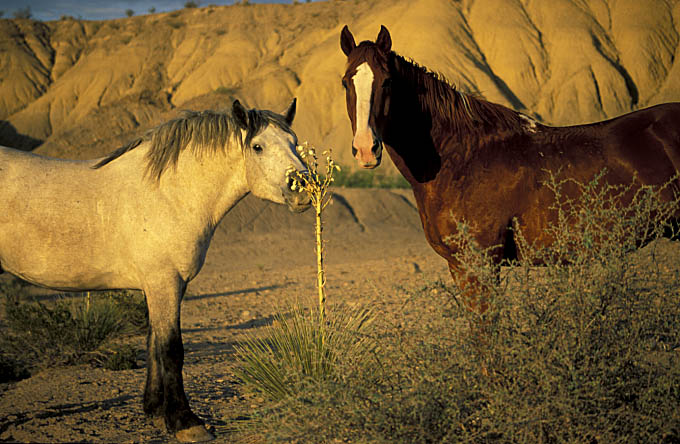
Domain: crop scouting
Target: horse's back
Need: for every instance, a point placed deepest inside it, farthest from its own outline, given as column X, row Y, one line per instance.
column 646, row 142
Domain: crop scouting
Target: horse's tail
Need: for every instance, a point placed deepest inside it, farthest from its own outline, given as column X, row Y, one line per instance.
column 116, row 154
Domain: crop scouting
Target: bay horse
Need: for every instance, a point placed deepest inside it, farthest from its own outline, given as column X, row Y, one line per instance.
column 142, row 218
column 469, row 159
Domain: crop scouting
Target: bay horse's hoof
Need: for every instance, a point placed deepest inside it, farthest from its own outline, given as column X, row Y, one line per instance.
column 196, row 433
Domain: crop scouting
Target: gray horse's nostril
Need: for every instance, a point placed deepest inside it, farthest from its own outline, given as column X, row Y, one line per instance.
column 354, row 151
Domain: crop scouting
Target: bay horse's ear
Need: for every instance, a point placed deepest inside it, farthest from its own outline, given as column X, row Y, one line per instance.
column 289, row 114
column 240, row 114
column 347, row 42
column 384, row 41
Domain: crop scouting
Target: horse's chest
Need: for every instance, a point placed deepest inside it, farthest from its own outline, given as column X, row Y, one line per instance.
column 486, row 209
column 191, row 259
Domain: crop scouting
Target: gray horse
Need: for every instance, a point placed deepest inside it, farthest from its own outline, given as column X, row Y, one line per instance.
column 142, row 218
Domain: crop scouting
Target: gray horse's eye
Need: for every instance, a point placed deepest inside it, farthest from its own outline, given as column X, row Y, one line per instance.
column 257, row 148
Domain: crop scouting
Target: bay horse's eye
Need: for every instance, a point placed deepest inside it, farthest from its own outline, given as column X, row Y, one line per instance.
column 257, row 148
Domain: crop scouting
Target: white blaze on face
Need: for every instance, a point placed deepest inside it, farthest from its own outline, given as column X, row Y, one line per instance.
column 363, row 84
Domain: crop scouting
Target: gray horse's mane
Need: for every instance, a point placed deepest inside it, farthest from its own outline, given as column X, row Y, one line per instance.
column 208, row 130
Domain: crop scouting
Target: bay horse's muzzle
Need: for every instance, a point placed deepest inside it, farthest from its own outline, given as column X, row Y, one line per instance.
column 369, row 159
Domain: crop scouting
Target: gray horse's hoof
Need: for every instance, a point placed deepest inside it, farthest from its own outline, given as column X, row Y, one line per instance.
column 194, row 434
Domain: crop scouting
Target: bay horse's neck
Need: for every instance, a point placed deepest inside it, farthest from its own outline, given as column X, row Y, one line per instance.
column 429, row 121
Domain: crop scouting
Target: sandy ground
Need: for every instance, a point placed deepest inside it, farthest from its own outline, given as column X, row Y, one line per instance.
column 262, row 258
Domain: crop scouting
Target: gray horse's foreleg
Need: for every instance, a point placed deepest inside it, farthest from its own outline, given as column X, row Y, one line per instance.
column 164, row 395
column 153, row 392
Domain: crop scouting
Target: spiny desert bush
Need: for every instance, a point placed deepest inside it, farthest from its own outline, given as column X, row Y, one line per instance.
column 585, row 349
column 39, row 334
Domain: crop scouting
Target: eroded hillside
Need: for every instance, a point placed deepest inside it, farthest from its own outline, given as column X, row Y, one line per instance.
column 79, row 89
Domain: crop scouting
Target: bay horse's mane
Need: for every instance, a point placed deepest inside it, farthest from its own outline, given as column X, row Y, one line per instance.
column 208, row 130
column 449, row 107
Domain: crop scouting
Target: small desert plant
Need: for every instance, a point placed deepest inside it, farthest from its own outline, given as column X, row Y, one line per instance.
column 305, row 347
column 191, row 4
column 152, row 10
column 316, row 184
column 119, row 357
column 40, row 334
column 299, row 350
column 129, row 12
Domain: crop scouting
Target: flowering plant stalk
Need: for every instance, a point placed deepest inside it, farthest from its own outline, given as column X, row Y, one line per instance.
column 316, row 183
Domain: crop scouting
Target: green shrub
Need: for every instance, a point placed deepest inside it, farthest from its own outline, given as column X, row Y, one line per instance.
column 581, row 350
column 121, row 357
column 224, row 89
column 11, row 369
column 368, row 179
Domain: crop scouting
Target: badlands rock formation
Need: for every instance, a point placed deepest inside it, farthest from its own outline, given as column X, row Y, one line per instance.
column 79, row 89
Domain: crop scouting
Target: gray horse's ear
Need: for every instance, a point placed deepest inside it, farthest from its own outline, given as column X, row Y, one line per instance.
column 240, row 114
column 289, row 114
column 384, row 41
column 347, row 42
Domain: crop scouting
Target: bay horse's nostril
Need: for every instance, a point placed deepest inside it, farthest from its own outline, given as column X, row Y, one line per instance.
column 375, row 147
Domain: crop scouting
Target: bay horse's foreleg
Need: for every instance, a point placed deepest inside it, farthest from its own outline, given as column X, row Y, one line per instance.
column 475, row 298
column 473, row 294
column 164, row 396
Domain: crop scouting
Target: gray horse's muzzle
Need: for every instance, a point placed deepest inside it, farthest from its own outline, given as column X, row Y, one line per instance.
column 297, row 200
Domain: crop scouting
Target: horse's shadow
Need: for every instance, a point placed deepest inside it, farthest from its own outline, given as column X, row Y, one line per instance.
column 190, row 297
column 62, row 410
